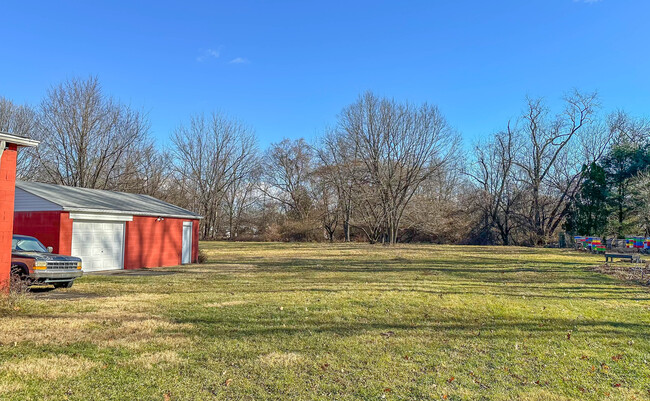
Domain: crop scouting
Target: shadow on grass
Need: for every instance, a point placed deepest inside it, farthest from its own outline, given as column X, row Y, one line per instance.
column 215, row 326
column 547, row 277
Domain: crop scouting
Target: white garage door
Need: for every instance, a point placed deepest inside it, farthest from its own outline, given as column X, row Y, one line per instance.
column 99, row 244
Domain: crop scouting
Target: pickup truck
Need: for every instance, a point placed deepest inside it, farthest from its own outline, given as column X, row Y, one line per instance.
column 36, row 264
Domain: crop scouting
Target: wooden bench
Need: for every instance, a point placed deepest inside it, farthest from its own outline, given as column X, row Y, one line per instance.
column 633, row 258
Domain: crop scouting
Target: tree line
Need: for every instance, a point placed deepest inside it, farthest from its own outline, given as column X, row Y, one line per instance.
column 385, row 172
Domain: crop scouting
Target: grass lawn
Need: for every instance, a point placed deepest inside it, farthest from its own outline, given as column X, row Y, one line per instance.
column 313, row 321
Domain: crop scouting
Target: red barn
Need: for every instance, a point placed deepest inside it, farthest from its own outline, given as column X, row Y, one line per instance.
column 9, row 145
column 108, row 230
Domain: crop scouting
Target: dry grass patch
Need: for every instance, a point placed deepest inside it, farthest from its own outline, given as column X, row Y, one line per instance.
column 49, row 368
column 107, row 330
column 160, row 341
column 8, row 388
column 112, row 321
column 281, row 359
column 224, row 304
column 149, row 360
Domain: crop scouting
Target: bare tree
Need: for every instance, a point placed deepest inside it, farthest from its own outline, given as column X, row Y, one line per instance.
column 400, row 146
column 21, row 120
column 498, row 194
column 436, row 213
column 210, row 154
column 545, row 143
column 627, row 129
column 240, row 194
column 286, row 170
column 87, row 137
column 327, row 200
column 148, row 171
column 339, row 162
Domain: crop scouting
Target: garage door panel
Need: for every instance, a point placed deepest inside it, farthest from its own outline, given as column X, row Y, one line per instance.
column 99, row 244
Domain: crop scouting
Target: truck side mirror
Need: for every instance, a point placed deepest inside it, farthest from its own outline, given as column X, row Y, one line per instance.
column 50, row 249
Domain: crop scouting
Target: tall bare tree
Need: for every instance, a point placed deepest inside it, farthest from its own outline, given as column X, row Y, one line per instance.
column 87, row 137
column 546, row 142
column 240, row 194
column 499, row 192
column 286, row 170
column 338, row 161
column 210, row 155
column 400, row 146
column 327, row 199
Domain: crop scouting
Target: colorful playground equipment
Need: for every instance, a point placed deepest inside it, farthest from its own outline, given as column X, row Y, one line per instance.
column 596, row 244
column 593, row 244
column 637, row 242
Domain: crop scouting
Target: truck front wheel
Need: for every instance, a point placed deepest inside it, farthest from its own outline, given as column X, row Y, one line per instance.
column 65, row 284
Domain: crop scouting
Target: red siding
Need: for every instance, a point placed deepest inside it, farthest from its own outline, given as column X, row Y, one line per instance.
column 195, row 241
column 65, row 234
column 153, row 243
column 51, row 228
column 7, row 193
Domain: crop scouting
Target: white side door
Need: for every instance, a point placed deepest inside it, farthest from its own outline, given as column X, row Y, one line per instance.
column 99, row 244
column 187, row 243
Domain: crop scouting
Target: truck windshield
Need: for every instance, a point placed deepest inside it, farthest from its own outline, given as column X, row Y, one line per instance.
column 27, row 245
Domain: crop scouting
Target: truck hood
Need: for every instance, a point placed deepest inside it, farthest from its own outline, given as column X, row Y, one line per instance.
column 46, row 257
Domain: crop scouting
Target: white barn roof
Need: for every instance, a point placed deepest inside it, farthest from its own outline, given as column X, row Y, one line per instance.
column 73, row 199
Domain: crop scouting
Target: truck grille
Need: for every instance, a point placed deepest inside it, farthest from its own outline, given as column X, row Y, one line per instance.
column 61, row 265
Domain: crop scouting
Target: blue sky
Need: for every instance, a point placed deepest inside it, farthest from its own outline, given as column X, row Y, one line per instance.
column 287, row 68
